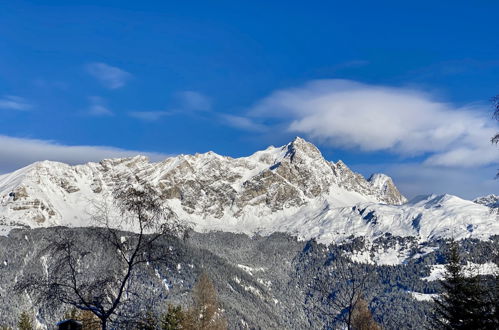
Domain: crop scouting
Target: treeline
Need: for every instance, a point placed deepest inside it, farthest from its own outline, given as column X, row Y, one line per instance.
column 205, row 313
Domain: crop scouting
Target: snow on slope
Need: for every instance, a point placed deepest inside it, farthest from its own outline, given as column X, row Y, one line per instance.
column 471, row 269
column 290, row 189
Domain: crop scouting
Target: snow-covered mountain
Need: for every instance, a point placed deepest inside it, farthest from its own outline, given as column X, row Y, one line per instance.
column 289, row 189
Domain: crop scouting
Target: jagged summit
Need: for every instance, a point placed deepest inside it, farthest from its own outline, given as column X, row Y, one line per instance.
column 290, row 188
column 302, row 147
column 491, row 201
column 385, row 184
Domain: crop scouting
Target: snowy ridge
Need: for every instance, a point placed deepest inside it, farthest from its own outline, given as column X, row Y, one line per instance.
column 289, row 189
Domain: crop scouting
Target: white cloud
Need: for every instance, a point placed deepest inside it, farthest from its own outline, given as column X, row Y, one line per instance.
column 195, row 101
column 97, row 107
column 149, row 115
column 403, row 121
column 19, row 152
column 12, row 102
column 110, row 76
column 99, row 110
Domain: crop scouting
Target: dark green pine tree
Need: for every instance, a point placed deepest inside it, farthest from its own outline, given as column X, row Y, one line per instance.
column 493, row 303
column 492, row 293
column 173, row 318
column 462, row 304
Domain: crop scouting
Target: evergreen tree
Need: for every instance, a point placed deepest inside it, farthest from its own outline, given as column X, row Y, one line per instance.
column 492, row 293
column 462, row 304
column 25, row 322
column 173, row 318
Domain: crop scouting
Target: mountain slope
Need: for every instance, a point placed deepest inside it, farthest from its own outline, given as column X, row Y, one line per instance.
column 274, row 281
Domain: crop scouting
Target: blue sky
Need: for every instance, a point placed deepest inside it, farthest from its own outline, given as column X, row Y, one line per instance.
column 385, row 86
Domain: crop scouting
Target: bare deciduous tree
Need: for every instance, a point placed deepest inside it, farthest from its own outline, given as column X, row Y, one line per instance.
column 205, row 313
column 362, row 318
column 68, row 279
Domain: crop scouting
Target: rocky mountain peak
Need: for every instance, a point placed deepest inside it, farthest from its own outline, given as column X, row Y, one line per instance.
column 385, row 185
column 302, row 149
column 491, row 201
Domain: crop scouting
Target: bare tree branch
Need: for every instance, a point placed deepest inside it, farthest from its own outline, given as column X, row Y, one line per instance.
column 342, row 288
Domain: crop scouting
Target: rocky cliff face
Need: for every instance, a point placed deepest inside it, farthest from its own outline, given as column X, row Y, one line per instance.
column 197, row 186
column 491, row 201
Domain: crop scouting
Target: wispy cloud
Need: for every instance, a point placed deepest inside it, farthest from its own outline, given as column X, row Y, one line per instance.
column 241, row 122
column 19, row 152
column 194, row 101
column 12, row 102
column 110, row 76
column 98, row 108
column 186, row 103
column 149, row 115
column 403, row 121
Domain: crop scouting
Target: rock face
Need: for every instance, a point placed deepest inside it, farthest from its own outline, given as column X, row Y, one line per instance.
column 491, row 201
column 200, row 186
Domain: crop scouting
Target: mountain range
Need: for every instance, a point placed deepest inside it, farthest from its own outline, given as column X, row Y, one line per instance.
column 290, row 189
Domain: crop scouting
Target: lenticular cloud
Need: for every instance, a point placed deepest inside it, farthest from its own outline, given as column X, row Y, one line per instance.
column 403, row 121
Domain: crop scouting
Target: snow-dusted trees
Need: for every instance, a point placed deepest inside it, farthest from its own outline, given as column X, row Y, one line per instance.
column 342, row 291
column 464, row 302
column 137, row 206
column 348, row 293
column 174, row 318
column 205, row 313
